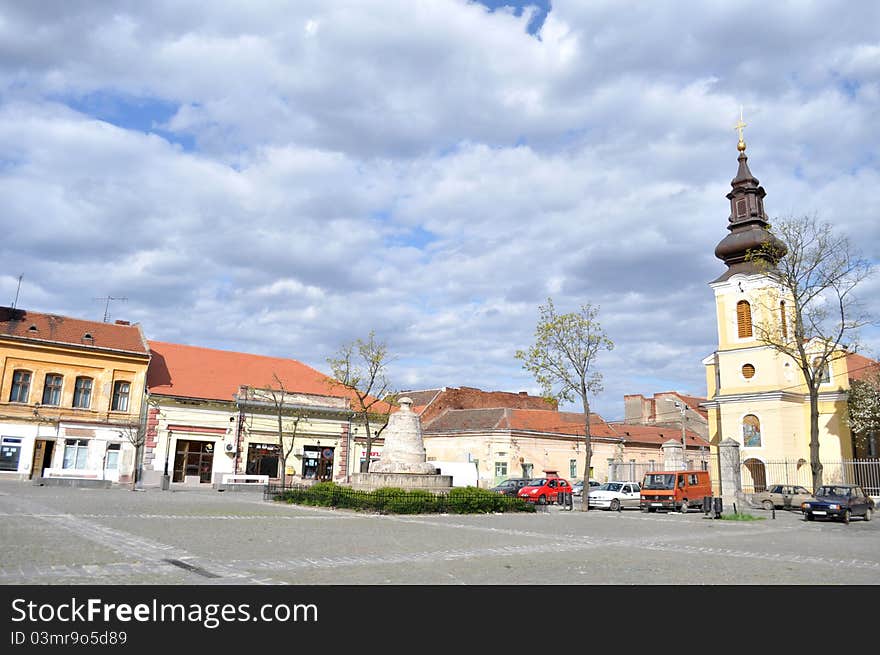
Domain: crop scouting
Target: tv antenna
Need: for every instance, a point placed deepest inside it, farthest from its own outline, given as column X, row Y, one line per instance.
column 107, row 300
column 15, row 302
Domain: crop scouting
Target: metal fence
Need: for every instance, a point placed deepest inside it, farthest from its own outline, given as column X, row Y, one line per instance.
column 757, row 474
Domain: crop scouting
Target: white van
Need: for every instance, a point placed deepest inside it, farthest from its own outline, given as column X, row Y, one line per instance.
column 464, row 474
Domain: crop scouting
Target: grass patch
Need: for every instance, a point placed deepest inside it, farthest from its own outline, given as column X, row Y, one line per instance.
column 742, row 517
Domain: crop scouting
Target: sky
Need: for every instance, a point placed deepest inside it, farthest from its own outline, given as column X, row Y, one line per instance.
column 282, row 178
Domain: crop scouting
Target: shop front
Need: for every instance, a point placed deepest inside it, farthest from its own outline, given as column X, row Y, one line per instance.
column 193, row 458
column 262, row 459
column 318, row 463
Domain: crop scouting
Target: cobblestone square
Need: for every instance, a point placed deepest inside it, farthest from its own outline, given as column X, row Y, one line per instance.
column 54, row 535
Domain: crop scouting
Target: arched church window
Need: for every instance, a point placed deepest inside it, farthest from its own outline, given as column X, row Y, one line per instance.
column 821, row 370
column 751, row 431
column 744, row 318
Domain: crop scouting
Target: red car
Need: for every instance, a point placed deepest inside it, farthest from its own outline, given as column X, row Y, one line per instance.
column 544, row 490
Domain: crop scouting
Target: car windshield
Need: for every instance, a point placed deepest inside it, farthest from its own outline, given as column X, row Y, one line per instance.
column 659, row 481
column 833, row 491
column 537, row 482
column 610, row 486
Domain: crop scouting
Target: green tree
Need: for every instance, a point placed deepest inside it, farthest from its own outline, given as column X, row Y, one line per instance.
column 817, row 278
column 361, row 367
column 563, row 361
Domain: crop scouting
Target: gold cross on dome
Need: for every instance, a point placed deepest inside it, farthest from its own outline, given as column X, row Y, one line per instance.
column 739, row 128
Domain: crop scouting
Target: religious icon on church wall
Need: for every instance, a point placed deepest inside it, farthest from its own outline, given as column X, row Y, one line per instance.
column 751, row 431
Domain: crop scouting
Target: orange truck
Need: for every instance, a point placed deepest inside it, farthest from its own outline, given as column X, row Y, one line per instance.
column 674, row 490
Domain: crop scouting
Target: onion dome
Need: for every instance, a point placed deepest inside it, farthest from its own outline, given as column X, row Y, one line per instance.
column 750, row 247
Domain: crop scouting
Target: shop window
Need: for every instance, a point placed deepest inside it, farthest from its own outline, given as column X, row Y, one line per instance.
column 76, row 453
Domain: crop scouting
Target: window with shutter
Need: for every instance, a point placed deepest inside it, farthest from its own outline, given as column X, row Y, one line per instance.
column 744, row 319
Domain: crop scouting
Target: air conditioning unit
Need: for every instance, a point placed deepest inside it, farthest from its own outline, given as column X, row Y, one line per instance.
column 230, row 448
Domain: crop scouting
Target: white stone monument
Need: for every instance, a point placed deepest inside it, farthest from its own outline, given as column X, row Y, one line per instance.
column 403, row 462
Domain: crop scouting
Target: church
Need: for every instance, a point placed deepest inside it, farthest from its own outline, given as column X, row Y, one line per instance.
column 756, row 395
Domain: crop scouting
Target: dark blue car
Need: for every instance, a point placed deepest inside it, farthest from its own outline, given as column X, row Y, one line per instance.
column 839, row 501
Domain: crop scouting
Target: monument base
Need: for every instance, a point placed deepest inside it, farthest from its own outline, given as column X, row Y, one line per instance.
column 408, row 481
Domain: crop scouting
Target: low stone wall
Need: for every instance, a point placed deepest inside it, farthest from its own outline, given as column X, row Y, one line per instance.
column 240, row 486
column 372, row 481
column 82, row 483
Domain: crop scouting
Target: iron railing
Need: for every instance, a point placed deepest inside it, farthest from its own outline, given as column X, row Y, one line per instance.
column 757, row 474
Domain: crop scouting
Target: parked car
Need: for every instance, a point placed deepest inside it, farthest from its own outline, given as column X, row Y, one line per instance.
column 789, row 496
column 577, row 489
column 510, row 486
column 674, row 490
column 840, row 501
column 616, row 495
column 544, row 490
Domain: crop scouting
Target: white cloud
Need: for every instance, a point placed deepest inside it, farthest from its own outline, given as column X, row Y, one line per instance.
column 429, row 170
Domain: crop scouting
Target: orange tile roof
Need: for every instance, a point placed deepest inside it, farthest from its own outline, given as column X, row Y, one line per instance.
column 861, row 367
column 196, row 372
column 51, row 328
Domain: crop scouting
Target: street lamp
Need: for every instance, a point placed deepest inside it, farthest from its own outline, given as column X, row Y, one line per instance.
column 683, row 409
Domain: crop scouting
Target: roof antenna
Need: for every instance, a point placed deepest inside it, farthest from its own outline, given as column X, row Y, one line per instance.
column 107, row 305
column 15, row 302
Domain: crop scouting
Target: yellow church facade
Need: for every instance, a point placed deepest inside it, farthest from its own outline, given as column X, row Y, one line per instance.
column 757, row 396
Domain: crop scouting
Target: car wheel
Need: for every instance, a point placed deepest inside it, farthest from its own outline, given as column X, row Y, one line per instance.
column 615, row 505
column 684, row 506
column 808, row 516
column 846, row 515
column 542, row 499
column 768, row 505
column 868, row 514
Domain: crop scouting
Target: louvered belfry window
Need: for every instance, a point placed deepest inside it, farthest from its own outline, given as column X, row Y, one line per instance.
column 744, row 319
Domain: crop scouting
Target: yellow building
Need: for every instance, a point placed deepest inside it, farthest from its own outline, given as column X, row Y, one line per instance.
column 757, row 395
column 71, row 395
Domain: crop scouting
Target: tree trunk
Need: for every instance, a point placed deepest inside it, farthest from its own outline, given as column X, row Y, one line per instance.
column 365, row 467
column 815, row 464
column 588, row 456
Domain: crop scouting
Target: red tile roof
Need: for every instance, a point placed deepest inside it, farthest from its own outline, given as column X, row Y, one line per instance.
column 50, row 328
column 861, row 367
column 554, row 423
column 196, row 372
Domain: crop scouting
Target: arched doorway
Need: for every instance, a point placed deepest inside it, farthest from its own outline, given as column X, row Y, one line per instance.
column 757, row 475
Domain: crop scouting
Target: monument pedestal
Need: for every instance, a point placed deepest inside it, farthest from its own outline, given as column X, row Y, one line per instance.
column 408, row 481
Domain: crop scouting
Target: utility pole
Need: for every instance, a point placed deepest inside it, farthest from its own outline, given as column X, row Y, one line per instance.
column 681, row 406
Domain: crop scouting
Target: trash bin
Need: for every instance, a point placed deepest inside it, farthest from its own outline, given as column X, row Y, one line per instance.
column 707, row 504
column 718, row 507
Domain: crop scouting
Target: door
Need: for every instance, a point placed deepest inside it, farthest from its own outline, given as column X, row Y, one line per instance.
column 631, row 495
column 39, row 458
column 325, row 465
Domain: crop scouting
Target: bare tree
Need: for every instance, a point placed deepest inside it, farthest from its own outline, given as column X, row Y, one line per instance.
column 136, row 435
column 563, row 360
column 360, row 367
column 280, row 402
column 815, row 318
